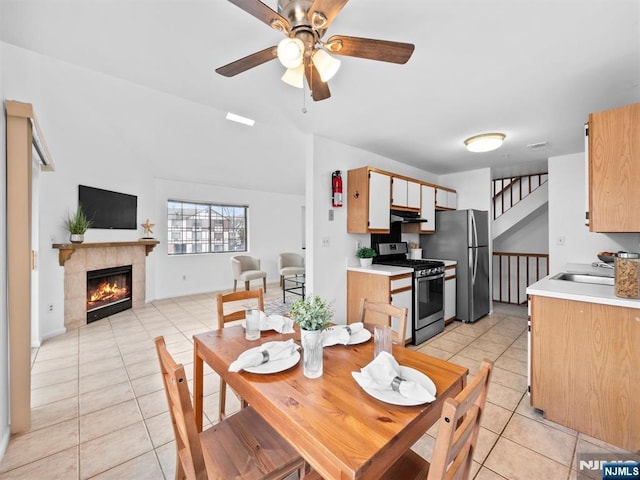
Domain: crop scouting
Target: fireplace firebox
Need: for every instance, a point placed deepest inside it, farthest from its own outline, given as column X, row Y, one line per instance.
column 108, row 292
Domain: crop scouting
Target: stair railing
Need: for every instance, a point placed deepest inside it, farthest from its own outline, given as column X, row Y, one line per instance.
column 514, row 272
column 508, row 191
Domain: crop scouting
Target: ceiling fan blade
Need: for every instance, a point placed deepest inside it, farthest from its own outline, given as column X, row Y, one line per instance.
column 262, row 12
column 328, row 8
column 319, row 89
column 250, row 61
column 385, row 51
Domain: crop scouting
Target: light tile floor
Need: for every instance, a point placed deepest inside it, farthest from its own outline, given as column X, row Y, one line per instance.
column 99, row 411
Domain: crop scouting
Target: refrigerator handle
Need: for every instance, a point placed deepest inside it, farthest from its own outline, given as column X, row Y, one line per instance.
column 474, row 252
column 474, row 230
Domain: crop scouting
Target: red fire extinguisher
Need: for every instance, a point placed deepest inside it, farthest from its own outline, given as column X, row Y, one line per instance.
column 336, row 189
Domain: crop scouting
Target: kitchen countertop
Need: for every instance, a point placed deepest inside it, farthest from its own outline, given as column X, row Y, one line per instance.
column 582, row 292
column 375, row 269
column 389, row 270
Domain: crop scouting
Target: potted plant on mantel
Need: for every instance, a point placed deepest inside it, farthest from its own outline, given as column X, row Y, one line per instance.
column 366, row 254
column 77, row 224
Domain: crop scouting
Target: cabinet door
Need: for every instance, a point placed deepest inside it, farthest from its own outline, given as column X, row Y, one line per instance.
column 402, row 296
column 614, row 151
column 399, row 192
column 413, row 195
column 450, row 295
column 428, row 210
column 441, row 198
column 379, row 201
column 452, row 200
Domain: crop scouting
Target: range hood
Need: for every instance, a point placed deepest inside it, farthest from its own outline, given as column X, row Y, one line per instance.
column 402, row 216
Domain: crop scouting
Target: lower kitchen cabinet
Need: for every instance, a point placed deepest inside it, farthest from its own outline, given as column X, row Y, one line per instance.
column 394, row 289
column 449, row 294
column 584, row 368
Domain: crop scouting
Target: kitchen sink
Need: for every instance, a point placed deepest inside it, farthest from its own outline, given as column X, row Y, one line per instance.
column 584, row 278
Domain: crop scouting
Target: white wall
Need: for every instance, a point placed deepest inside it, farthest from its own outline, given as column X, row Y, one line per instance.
column 566, row 218
column 113, row 134
column 531, row 236
column 274, row 226
column 327, row 276
column 4, row 347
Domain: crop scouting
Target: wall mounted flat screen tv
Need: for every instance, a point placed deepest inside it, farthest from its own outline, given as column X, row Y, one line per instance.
column 108, row 209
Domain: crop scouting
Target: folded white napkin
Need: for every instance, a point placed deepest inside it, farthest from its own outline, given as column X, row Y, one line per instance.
column 267, row 352
column 278, row 323
column 383, row 373
column 340, row 334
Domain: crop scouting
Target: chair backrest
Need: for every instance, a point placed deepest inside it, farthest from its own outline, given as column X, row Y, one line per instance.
column 458, row 429
column 256, row 296
column 290, row 260
column 382, row 314
column 242, row 263
column 182, row 416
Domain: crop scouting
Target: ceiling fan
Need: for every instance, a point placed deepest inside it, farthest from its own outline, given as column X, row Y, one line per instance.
column 302, row 51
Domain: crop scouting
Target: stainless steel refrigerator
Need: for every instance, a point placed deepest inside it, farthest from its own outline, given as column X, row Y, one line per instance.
column 463, row 235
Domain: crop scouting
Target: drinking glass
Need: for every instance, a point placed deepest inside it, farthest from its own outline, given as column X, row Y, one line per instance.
column 312, row 354
column 381, row 339
column 252, row 324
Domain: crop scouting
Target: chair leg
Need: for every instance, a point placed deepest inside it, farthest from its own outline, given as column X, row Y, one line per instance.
column 281, row 280
column 246, row 285
column 180, row 474
column 235, row 285
column 222, row 400
column 264, row 283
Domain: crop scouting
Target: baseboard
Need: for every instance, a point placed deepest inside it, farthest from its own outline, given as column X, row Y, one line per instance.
column 53, row 333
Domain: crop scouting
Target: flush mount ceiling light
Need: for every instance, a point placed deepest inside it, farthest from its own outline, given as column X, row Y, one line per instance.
column 484, row 142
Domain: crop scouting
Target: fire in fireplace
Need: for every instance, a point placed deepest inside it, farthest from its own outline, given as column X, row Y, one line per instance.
column 108, row 292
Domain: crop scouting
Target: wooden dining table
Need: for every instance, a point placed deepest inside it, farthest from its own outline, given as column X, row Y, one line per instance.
column 338, row 428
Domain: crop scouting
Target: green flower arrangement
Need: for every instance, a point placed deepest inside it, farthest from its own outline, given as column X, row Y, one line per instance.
column 311, row 313
column 365, row 252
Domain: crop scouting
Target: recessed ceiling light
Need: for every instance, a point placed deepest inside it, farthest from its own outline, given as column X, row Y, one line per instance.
column 240, row 119
column 484, row 142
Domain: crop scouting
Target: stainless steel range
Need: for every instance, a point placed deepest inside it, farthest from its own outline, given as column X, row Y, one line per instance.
column 428, row 289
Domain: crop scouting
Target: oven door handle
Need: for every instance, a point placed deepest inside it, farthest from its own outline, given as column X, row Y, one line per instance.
column 432, row 277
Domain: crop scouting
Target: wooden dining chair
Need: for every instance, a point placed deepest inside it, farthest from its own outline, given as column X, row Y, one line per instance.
column 457, row 436
column 241, row 446
column 256, row 299
column 382, row 314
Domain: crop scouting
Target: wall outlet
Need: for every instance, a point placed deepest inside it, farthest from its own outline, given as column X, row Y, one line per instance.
column 184, row 277
column 331, row 215
column 325, row 242
column 358, row 245
column 51, row 307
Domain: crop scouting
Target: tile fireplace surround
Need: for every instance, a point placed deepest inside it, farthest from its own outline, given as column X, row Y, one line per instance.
column 78, row 259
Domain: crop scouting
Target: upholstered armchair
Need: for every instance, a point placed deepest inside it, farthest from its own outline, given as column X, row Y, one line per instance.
column 290, row 264
column 246, row 268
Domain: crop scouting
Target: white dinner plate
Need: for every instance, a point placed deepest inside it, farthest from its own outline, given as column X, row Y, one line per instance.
column 275, row 366
column 359, row 337
column 395, row 398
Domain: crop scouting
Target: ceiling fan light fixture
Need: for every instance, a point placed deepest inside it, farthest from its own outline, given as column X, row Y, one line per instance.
column 327, row 65
column 291, row 52
column 294, row 76
column 484, row 142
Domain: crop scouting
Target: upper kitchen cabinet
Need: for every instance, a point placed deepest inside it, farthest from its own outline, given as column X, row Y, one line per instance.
column 428, row 210
column 613, row 169
column 405, row 193
column 368, row 201
column 446, row 198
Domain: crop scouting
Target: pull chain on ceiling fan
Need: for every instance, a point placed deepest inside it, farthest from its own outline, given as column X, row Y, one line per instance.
column 303, row 52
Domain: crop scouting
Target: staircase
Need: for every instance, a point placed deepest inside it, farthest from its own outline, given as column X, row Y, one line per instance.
column 516, row 200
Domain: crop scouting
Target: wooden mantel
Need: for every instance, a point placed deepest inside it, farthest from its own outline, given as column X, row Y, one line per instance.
column 67, row 249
